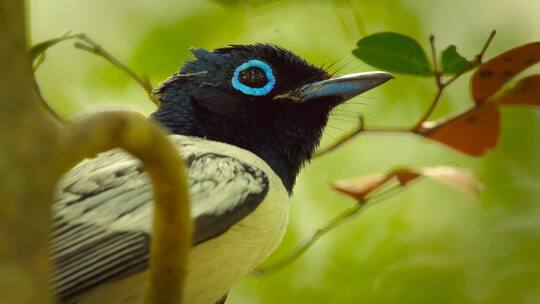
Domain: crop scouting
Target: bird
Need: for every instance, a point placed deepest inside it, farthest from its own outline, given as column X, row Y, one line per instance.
column 245, row 119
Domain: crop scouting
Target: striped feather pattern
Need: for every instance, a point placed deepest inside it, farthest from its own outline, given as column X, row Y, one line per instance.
column 102, row 224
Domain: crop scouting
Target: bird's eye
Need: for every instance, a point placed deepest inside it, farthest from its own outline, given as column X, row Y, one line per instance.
column 254, row 77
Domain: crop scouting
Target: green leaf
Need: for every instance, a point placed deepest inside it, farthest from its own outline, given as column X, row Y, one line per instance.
column 393, row 52
column 452, row 62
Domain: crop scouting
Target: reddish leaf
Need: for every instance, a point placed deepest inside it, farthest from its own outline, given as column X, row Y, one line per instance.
column 492, row 75
column 526, row 92
column 360, row 187
column 473, row 132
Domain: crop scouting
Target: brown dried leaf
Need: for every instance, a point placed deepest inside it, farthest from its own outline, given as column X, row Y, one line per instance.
column 474, row 132
column 360, row 187
column 525, row 92
column 492, row 75
column 461, row 179
column 405, row 176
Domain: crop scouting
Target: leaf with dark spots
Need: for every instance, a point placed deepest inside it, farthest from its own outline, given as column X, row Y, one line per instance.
column 492, row 75
column 525, row 92
column 474, row 132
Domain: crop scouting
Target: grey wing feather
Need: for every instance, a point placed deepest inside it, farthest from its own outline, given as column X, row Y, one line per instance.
column 102, row 215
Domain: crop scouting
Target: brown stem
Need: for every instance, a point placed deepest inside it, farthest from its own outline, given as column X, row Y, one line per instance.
column 442, row 85
column 330, row 225
column 477, row 60
column 353, row 133
column 342, row 139
column 171, row 236
column 38, row 54
column 91, row 46
column 436, row 71
column 45, row 105
column 416, row 128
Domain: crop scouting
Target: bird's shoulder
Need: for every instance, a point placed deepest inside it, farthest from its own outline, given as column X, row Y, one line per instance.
column 114, row 190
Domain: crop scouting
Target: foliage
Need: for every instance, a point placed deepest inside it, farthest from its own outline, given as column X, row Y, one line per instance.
column 476, row 130
column 451, row 61
column 427, row 245
column 394, row 53
column 473, row 132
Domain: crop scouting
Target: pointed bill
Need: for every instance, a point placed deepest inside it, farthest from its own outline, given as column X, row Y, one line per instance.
column 346, row 87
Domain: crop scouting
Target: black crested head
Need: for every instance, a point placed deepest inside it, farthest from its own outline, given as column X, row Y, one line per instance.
column 261, row 98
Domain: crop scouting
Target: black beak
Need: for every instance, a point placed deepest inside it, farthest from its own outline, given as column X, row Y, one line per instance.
column 345, row 87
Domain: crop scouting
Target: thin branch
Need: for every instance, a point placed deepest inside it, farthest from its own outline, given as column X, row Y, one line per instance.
column 37, row 52
column 172, row 226
column 417, row 127
column 442, row 85
column 436, row 71
column 477, row 59
column 343, row 139
column 333, row 223
column 44, row 104
column 480, row 55
column 38, row 62
column 89, row 45
column 430, row 110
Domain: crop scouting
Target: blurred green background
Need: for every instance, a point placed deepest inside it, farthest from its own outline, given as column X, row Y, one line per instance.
column 429, row 244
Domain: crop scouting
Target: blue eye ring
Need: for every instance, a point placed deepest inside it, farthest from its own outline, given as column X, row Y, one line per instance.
column 254, row 63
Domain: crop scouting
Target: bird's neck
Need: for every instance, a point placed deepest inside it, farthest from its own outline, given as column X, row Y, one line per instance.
column 285, row 158
column 285, row 148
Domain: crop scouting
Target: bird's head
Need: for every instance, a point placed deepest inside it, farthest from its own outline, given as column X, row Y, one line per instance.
column 261, row 98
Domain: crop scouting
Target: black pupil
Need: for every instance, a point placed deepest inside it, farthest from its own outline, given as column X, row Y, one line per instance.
column 253, row 77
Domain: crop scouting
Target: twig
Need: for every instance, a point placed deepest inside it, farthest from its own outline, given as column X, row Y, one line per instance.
column 442, row 85
column 436, row 71
column 44, row 104
column 417, row 127
column 343, row 139
column 38, row 62
column 37, row 52
column 89, row 45
column 336, row 221
column 333, row 223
